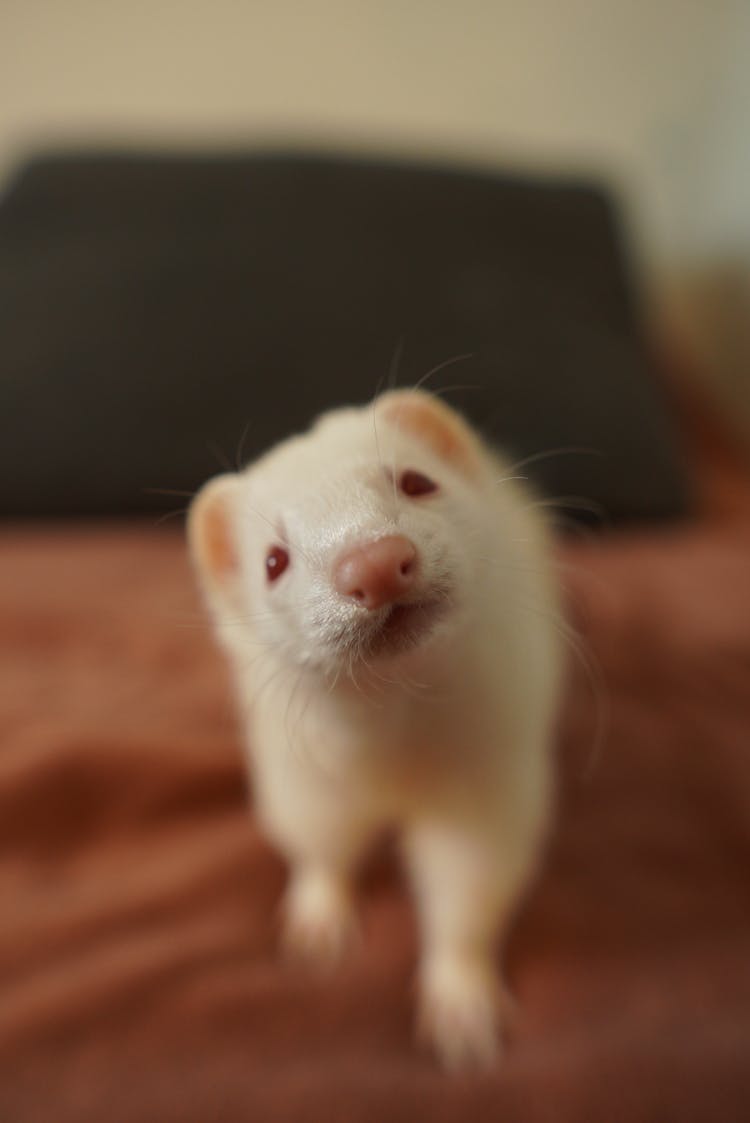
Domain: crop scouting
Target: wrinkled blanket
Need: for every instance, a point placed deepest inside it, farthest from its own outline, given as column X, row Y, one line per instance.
column 139, row 981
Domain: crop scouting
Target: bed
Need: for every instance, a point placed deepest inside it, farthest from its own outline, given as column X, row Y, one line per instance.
column 139, row 974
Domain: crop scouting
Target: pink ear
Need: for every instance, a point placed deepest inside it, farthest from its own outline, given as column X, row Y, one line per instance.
column 210, row 530
column 436, row 424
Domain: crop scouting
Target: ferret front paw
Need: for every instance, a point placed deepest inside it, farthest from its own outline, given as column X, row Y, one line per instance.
column 319, row 923
column 461, row 1013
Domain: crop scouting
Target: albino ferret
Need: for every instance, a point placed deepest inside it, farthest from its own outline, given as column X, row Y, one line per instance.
column 383, row 590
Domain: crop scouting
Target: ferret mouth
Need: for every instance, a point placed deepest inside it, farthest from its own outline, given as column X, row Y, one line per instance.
column 401, row 627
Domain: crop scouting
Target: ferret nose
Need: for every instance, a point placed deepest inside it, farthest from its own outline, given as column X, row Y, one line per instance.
column 377, row 573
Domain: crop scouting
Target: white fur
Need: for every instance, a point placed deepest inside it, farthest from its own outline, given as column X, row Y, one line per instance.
column 448, row 740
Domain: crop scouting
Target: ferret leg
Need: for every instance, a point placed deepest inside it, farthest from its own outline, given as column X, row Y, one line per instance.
column 466, row 885
column 319, row 919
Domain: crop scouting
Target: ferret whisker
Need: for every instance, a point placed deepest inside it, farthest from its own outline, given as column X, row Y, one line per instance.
column 390, row 378
column 202, row 625
column 291, row 740
column 441, row 366
column 377, row 439
column 568, row 526
column 276, row 672
column 360, row 661
column 241, row 445
column 350, row 666
column 247, row 509
column 420, row 691
column 247, row 623
column 276, row 533
column 375, row 681
column 382, row 679
column 170, row 515
column 574, row 502
column 546, row 454
column 168, row 491
column 395, row 363
column 251, row 618
column 379, row 677
column 441, row 391
column 405, row 684
column 593, row 670
column 218, row 453
column 306, row 707
column 246, row 665
column 381, row 463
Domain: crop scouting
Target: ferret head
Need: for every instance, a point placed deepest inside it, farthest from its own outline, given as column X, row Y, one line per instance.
column 355, row 541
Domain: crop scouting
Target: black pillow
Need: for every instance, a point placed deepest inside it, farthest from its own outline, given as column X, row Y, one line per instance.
column 156, row 310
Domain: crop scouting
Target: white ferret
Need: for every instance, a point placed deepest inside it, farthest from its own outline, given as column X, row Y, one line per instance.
column 383, row 590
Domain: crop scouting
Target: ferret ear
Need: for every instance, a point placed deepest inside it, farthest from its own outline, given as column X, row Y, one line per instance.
column 430, row 420
column 210, row 528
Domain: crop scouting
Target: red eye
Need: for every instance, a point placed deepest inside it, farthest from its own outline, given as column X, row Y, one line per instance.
column 277, row 559
column 414, row 483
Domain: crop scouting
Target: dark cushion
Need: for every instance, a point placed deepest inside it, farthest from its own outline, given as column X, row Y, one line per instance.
column 155, row 309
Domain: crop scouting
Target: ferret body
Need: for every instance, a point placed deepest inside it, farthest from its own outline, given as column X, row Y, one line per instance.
column 383, row 591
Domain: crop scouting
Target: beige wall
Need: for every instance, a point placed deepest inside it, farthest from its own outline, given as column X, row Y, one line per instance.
column 654, row 92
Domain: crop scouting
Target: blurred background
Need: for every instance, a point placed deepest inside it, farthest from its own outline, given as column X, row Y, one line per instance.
column 654, row 97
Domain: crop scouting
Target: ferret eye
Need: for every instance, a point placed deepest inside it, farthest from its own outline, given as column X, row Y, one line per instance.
column 413, row 483
column 277, row 559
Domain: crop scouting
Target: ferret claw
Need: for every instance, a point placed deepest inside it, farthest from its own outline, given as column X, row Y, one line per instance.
column 461, row 1016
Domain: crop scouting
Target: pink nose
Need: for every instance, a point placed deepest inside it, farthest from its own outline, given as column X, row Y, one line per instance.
column 377, row 573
